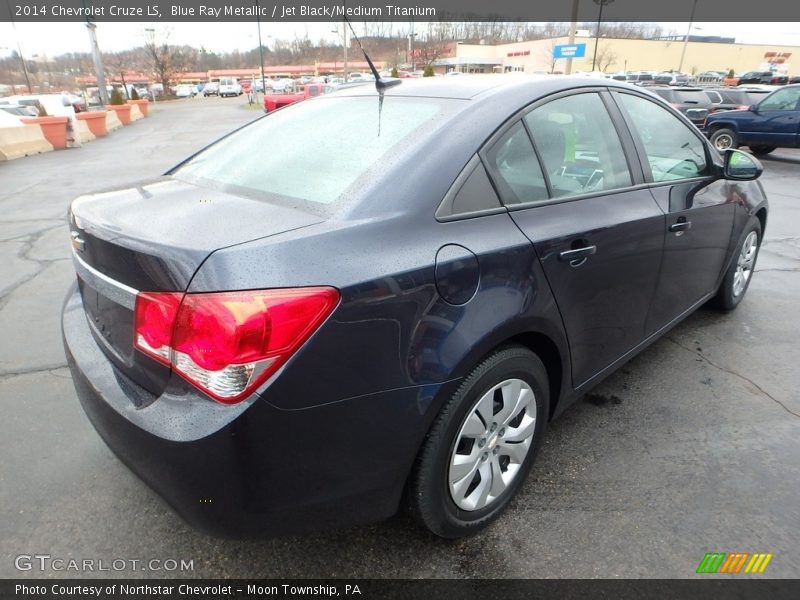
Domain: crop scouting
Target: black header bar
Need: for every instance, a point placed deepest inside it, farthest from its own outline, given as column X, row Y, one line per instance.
column 155, row 11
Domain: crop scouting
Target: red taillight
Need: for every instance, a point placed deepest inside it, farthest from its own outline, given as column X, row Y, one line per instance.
column 228, row 343
column 154, row 316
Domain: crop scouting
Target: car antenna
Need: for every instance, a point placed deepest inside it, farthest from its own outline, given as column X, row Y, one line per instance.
column 380, row 84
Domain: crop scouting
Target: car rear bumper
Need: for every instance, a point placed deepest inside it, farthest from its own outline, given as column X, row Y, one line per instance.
column 257, row 470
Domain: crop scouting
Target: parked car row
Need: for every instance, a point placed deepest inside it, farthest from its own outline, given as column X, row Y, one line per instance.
column 760, row 77
column 32, row 101
column 760, row 119
column 698, row 103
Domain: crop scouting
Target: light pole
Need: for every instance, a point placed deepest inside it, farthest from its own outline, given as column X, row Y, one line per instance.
column 686, row 39
column 152, row 33
column 344, row 46
column 261, row 52
column 601, row 4
column 573, row 27
column 411, row 37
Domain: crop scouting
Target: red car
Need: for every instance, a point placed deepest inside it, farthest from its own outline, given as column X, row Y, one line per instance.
column 276, row 101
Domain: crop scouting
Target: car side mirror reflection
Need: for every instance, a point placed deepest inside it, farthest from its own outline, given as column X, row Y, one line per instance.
column 753, row 108
column 741, row 166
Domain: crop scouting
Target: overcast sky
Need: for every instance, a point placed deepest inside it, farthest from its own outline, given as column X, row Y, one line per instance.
column 55, row 38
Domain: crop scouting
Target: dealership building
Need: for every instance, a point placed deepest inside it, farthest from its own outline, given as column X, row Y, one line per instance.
column 703, row 53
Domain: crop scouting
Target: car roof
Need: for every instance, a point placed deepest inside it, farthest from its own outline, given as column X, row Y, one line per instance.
column 479, row 85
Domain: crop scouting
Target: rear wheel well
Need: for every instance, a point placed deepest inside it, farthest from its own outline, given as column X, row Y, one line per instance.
column 548, row 353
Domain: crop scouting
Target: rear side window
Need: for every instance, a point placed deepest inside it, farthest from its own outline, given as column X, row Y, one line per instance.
column 472, row 193
column 579, row 146
column 673, row 150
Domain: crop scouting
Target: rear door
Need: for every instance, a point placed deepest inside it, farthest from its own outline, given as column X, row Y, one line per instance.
column 699, row 207
column 598, row 235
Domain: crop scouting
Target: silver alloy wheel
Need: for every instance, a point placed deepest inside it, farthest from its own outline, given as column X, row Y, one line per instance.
column 492, row 444
column 723, row 141
column 744, row 264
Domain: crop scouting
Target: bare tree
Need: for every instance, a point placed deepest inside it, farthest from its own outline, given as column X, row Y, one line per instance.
column 167, row 61
column 548, row 56
column 432, row 49
column 119, row 65
column 606, row 57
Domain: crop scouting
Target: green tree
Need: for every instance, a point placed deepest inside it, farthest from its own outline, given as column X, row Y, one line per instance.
column 116, row 97
column 134, row 94
column 427, row 71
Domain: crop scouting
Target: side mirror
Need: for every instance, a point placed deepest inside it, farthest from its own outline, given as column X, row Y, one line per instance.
column 741, row 166
column 753, row 108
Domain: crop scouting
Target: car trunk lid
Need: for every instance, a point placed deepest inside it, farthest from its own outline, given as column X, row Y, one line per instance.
column 153, row 238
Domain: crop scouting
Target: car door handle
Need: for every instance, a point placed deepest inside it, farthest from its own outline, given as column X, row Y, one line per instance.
column 680, row 226
column 578, row 256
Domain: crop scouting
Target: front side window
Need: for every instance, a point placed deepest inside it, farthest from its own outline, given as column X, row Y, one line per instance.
column 673, row 150
column 579, row 146
column 785, row 99
column 517, row 172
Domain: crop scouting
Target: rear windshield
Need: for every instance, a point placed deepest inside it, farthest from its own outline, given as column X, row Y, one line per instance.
column 315, row 150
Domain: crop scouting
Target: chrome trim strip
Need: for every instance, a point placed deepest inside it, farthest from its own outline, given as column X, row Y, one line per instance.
column 103, row 284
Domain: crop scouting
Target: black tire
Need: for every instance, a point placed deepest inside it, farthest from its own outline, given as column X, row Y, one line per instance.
column 761, row 150
column 430, row 497
column 728, row 297
column 724, row 138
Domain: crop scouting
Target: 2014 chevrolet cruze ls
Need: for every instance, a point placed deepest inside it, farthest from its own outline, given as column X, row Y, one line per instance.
column 388, row 307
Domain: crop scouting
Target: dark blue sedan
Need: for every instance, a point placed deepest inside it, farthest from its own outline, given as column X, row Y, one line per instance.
column 388, row 311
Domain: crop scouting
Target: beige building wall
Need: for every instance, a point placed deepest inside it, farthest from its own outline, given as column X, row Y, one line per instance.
column 634, row 55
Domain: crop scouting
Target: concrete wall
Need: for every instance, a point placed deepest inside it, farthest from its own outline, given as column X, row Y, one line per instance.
column 22, row 140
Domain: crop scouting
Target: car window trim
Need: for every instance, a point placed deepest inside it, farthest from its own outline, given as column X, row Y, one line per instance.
column 577, row 197
column 639, row 144
column 631, row 154
column 538, row 154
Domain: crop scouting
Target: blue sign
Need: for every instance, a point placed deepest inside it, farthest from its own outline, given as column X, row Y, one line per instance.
column 569, row 51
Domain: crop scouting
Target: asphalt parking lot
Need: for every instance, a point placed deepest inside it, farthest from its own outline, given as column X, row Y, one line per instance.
column 692, row 447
